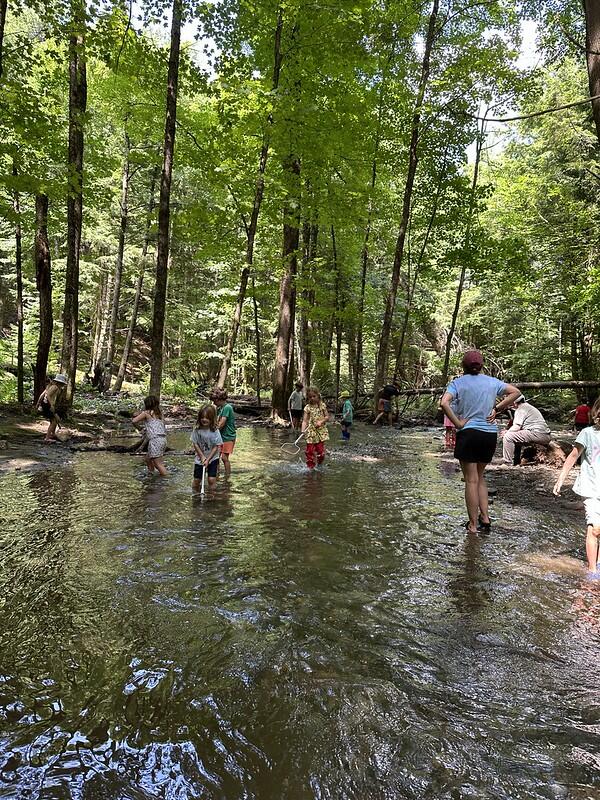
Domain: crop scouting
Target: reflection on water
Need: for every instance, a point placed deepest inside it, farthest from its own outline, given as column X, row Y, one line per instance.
column 293, row 635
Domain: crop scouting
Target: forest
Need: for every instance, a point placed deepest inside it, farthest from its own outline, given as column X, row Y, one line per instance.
column 252, row 192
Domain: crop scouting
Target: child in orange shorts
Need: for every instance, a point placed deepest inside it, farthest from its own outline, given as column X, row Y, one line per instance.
column 226, row 424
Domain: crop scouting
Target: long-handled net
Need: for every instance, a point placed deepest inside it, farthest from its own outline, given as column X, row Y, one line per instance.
column 291, row 448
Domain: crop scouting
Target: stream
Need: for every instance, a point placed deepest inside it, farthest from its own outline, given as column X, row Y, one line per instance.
column 293, row 635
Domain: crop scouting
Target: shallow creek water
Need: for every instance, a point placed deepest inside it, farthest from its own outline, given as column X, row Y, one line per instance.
column 330, row 635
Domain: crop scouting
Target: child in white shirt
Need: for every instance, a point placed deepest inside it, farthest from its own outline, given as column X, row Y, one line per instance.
column 587, row 485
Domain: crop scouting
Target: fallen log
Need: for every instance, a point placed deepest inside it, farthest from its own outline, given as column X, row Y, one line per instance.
column 433, row 390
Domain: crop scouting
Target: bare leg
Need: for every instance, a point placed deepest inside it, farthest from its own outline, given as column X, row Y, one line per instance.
column 212, row 482
column 51, row 432
column 226, row 464
column 471, row 476
column 378, row 417
column 196, row 485
column 150, row 464
column 591, row 546
column 160, row 466
column 483, row 494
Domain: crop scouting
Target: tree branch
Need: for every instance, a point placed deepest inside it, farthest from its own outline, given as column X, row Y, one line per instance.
column 538, row 113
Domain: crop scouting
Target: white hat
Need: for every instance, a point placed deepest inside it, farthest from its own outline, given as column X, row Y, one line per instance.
column 60, row 379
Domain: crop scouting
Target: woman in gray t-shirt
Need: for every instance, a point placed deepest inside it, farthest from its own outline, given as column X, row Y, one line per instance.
column 469, row 402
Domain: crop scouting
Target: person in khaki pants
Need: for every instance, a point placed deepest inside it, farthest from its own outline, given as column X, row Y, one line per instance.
column 529, row 427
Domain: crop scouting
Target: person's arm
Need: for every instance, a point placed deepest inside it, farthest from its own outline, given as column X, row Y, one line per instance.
column 511, row 393
column 40, row 398
column 143, row 415
column 445, row 402
column 221, row 422
column 518, row 419
column 199, row 453
column 567, row 467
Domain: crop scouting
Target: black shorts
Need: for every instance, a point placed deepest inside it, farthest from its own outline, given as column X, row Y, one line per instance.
column 46, row 409
column 212, row 470
column 475, row 446
column 296, row 413
column 346, row 424
column 579, row 426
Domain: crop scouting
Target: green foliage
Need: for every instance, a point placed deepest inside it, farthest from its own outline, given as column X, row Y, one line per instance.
column 342, row 105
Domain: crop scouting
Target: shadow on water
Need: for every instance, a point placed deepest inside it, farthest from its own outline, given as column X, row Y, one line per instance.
column 291, row 635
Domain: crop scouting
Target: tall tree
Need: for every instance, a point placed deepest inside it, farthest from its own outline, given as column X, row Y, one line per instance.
column 592, row 48
column 287, row 291
column 3, row 8
column 138, row 288
column 164, row 204
column 77, row 108
column 466, row 248
column 251, row 226
column 413, row 160
column 19, row 276
column 123, row 217
column 43, row 279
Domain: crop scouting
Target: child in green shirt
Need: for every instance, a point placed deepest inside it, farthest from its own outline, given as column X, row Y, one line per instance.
column 226, row 425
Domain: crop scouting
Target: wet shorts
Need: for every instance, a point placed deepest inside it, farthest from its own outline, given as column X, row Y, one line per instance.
column 475, row 446
column 384, row 405
column 212, row 470
column 227, row 447
column 592, row 511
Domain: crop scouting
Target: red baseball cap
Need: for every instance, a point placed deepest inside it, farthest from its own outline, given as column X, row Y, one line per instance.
column 472, row 358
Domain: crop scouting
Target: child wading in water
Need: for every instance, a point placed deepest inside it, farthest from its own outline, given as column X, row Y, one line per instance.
column 347, row 415
column 207, row 442
column 156, row 433
column 226, row 425
column 314, row 424
column 47, row 405
column 587, row 485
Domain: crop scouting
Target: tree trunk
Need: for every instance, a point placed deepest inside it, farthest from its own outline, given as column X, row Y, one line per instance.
column 412, row 285
column 338, row 322
column 43, row 280
column 114, row 313
column 287, row 292
column 310, row 234
column 138, row 288
column 99, row 316
column 100, row 350
column 19, row 275
column 466, row 245
column 164, row 206
column 592, row 44
column 77, row 108
column 251, row 227
column 358, row 350
column 384, row 340
column 257, row 342
column 3, row 7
